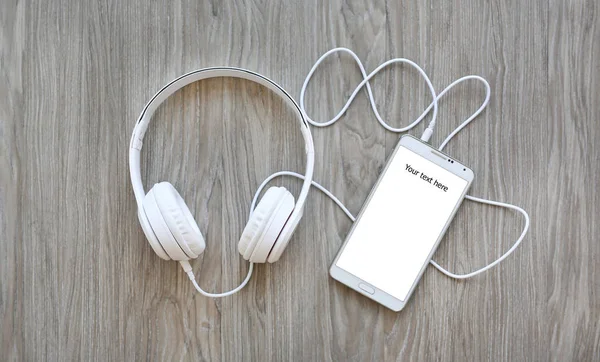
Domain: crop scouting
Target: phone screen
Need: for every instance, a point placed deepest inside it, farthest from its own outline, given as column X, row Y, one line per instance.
column 401, row 223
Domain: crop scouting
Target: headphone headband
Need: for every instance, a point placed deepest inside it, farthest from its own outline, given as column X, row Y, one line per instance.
column 143, row 121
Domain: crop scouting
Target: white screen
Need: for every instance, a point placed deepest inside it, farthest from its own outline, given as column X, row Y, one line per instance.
column 401, row 223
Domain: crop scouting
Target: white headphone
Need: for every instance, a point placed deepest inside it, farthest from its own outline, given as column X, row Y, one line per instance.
column 167, row 221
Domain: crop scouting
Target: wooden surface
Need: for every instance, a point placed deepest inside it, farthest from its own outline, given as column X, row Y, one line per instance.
column 79, row 282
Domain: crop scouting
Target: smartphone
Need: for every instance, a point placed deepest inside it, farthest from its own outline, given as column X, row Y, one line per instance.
column 402, row 223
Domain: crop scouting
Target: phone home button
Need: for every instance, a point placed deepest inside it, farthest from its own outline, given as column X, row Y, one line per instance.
column 367, row 288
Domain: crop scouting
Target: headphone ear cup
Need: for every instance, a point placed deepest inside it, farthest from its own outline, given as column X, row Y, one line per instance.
column 265, row 224
column 179, row 219
column 160, row 229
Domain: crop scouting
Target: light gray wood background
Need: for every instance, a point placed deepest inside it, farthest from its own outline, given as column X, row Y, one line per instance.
column 79, row 282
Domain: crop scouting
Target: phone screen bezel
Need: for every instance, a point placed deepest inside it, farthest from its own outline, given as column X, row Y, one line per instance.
column 439, row 158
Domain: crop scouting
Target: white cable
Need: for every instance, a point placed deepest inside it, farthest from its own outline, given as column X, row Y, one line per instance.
column 497, row 261
column 477, row 112
column 188, row 270
column 371, row 99
column 365, row 82
column 425, row 137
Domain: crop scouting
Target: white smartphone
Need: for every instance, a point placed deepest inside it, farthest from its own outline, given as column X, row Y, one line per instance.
column 402, row 223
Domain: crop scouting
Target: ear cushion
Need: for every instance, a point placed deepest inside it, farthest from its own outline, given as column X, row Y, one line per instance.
column 284, row 238
column 151, row 236
column 265, row 224
column 179, row 219
column 160, row 230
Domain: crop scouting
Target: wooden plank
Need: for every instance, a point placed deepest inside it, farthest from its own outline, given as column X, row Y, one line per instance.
column 79, row 282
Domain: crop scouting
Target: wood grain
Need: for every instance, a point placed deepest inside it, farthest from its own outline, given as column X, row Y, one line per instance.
column 79, row 282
